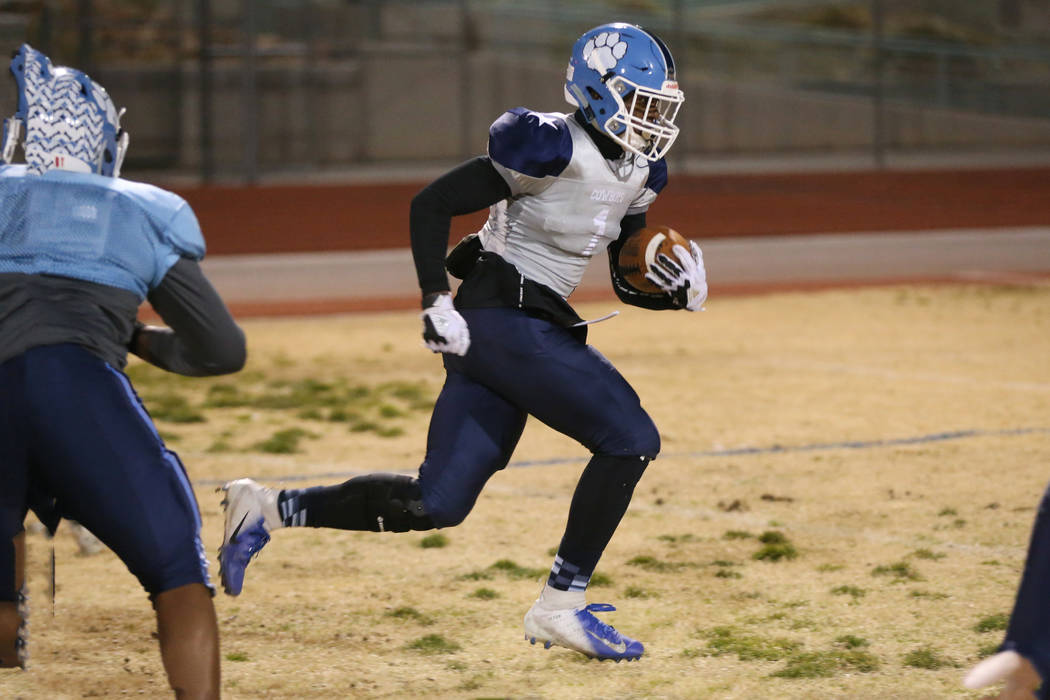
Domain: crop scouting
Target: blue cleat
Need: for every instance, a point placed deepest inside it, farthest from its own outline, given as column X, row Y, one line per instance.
column 235, row 555
column 251, row 512
column 578, row 629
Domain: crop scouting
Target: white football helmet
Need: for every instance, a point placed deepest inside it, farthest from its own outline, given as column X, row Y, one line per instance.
column 65, row 120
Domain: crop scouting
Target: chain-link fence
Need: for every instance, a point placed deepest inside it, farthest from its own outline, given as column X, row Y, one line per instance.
column 238, row 89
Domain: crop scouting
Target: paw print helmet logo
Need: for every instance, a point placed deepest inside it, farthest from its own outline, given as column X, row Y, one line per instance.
column 65, row 120
column 623, row 79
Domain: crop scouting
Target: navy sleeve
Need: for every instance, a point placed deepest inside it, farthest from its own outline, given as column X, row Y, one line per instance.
column 203, row 339
column 536, row 144
column 657, row 179
column 470, row 187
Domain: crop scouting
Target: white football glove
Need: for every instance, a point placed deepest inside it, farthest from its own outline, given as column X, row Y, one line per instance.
column 444, row 330
column 684, row 278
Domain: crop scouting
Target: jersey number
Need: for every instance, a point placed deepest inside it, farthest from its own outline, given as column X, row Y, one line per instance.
column 599, row 222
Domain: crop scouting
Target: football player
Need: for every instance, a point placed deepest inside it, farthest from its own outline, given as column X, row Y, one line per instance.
column 1023, row 661
column 560, row 188
column 80, row 249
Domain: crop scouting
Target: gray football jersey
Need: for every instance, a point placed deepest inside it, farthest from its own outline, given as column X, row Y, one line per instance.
column 566, row 199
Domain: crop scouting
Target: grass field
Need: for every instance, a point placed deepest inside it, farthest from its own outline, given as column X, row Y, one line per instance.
column 841, row 510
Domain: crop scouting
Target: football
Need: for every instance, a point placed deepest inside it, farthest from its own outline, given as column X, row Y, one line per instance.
column 641, row 248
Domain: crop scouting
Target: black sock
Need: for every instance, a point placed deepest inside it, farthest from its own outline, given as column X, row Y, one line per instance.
column 601, row 498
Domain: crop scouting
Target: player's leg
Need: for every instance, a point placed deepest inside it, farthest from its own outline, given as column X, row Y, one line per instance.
column 189, row 640
column 1024, row 656
column 13, row 603
column 376, row 502
column 572, row 388
column 13, row 494
column 472, row 434
column 561, row 614
column 97, row 452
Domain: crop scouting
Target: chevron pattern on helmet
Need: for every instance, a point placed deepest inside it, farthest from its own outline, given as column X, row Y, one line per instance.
column 69, row 120
column 59, row 120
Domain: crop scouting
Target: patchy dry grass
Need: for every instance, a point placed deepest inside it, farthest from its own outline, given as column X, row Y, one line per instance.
column 789, row 426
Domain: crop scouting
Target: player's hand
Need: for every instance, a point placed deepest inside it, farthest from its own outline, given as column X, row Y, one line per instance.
column 1021, row 678
column 684, row 277
column 444, row 330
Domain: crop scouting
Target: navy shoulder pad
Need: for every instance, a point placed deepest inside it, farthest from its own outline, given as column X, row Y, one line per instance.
column 536, row 144
column 657, row 179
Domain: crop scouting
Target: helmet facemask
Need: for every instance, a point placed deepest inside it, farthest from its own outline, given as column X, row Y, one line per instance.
column 644, row 122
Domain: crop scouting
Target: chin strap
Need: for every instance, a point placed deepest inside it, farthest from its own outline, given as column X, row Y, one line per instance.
column 12, row 135
column 122, row 149
column 582, row 102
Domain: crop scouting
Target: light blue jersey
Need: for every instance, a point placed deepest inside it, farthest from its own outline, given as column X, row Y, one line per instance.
column 89, row 227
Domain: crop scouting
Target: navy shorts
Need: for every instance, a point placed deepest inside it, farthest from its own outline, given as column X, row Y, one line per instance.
column 72, row 427
column 518, row 366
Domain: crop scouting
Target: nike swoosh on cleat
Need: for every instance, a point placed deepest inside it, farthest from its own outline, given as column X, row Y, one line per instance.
column 618, row 647
column 233, row 537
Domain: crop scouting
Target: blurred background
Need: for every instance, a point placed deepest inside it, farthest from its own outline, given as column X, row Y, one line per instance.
column 823, row 142
column 245, row 91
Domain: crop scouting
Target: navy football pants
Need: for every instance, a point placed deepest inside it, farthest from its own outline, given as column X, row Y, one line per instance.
column 72, row 426
column 518, row 365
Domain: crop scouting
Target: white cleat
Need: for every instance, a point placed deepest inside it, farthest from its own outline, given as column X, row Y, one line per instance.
column 251, row 513
column 1020, row 676
column 578, row 629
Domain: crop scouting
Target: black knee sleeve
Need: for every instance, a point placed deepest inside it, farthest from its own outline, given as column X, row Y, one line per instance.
column 376, row 502
column 394, row 503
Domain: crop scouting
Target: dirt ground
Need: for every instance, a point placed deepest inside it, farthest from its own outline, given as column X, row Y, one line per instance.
column 896, row 438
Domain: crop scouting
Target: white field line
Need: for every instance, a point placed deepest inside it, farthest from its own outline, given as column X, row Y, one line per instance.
column 735, row 518
column 843, row 368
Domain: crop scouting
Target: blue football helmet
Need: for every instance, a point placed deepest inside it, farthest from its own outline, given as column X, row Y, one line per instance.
column 68, row 121
column 623, row 79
